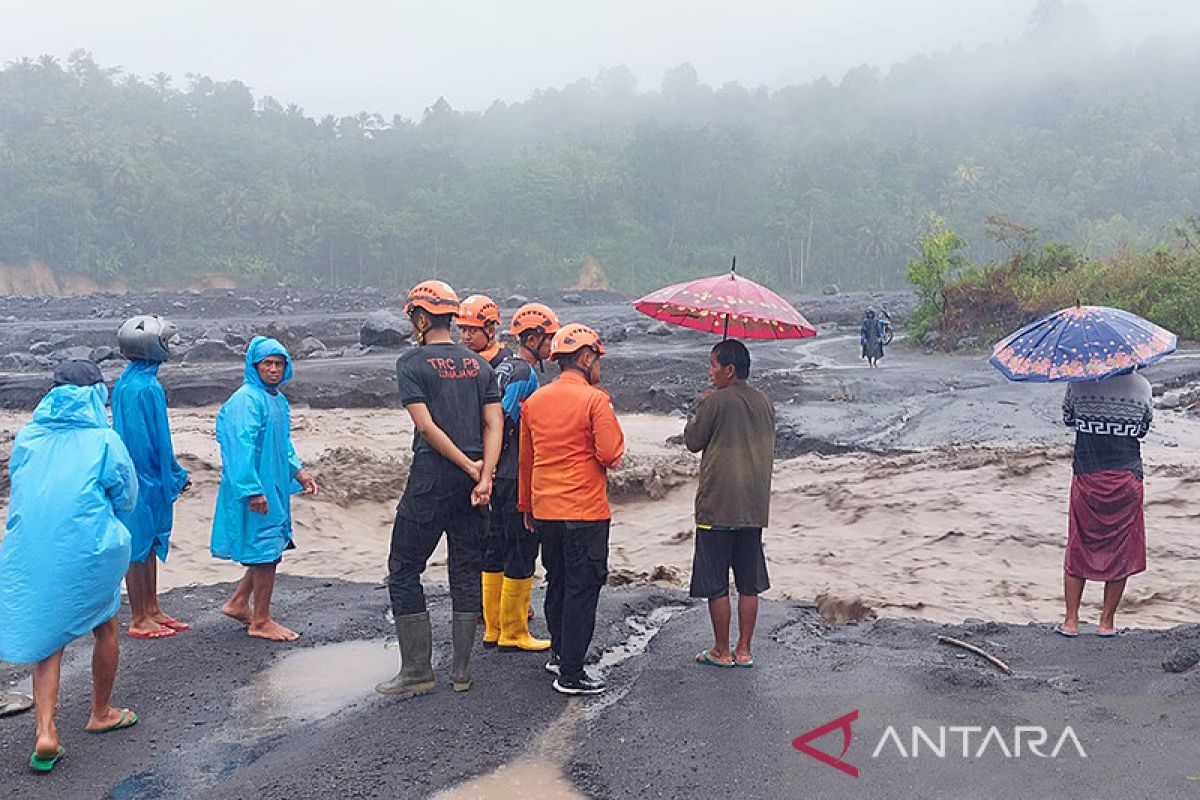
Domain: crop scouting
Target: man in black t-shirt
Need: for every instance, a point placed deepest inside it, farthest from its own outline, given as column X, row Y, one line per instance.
column 452, row 397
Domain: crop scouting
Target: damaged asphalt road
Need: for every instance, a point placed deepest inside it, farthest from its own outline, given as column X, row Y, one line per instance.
column 668, row 728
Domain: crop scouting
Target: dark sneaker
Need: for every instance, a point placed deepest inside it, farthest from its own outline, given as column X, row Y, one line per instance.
column 580, row 684
column 552, row 664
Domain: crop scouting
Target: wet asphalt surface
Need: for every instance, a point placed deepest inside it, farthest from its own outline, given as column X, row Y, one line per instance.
column 669, row 728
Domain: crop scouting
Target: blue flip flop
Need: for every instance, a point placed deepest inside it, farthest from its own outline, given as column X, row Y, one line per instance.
column 703, row 657
column 1113, row 634
column 46, row 764
column 743, row 664
column 1058, row 628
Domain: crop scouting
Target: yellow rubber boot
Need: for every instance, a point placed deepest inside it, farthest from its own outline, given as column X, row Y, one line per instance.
column 514, row 617
column 492, row 585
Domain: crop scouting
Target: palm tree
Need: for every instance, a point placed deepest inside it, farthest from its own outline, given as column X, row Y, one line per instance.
column 161, row 82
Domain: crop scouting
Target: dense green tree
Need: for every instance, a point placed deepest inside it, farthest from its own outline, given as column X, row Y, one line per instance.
column 161, row 181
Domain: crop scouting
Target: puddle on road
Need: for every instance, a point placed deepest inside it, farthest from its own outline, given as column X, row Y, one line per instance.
column 523, row 779
column 539, row 773
column 313, row 683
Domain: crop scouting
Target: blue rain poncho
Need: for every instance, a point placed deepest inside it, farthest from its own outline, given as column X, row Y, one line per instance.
column 139, row 409
column 254, row 432
column 64, row 551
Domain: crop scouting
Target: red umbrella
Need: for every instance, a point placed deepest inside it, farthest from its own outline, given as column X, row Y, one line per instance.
column 729, row 305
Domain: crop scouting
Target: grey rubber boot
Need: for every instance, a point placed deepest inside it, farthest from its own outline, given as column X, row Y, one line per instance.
column 463, row 635
column 416, row 653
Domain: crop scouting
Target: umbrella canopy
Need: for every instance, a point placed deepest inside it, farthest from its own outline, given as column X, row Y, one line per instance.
column 1083, row 343
column 729, row 305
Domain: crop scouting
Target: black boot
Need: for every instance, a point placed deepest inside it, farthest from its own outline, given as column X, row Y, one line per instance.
column 416, row 654
column 462, row 634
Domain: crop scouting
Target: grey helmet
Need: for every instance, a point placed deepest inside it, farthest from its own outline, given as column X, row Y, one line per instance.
column 146, row 338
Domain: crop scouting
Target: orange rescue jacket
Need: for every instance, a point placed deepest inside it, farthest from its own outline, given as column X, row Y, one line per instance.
column 570, row 437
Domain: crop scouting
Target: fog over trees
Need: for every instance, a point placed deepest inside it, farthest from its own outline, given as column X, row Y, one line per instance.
column 161, row 181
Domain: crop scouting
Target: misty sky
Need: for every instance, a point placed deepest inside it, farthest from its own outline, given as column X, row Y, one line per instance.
column 398, row 56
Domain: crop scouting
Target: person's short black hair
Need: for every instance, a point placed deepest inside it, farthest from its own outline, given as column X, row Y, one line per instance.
column 77, row 372
column 435, row 320
column 566, row 360
column 731, row 351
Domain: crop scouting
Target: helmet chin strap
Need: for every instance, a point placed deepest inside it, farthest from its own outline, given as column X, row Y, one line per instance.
column 586, row 372
column 536, row 351
column 417, row 329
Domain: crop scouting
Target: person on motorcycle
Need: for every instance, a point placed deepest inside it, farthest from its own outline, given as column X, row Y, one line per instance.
column 870, row 337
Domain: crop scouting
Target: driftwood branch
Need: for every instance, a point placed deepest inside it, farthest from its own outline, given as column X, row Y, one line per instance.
column 1005, row 668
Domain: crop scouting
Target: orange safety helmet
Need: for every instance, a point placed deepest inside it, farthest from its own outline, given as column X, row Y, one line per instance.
column 572, row 338
column 478, row 311
column 436, row 297
column 534, row 317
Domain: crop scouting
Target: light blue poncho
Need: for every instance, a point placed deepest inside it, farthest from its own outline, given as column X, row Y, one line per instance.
column 139, row 410
column 254, row 432
column 64, row 551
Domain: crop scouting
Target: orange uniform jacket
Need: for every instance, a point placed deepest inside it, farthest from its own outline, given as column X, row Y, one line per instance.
column 569, row 439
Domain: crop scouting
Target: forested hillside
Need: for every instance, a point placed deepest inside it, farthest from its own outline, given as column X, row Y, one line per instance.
column 108, row 174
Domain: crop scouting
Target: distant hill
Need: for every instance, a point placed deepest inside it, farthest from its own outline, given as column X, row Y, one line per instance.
column 109, row 176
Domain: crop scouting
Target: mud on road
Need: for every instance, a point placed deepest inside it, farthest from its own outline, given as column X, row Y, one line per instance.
column 668, row 728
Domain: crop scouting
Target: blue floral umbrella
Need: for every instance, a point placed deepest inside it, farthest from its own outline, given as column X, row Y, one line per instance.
column 1083, row 343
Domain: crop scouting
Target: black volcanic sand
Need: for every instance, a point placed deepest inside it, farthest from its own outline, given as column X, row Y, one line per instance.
column 669, row 727
column 827, row 400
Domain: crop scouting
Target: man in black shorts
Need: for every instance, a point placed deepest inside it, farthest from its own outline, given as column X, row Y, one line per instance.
column 734, row 425
column 452, row 397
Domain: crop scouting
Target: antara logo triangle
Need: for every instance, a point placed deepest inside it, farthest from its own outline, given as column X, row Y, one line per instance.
column 842, row 723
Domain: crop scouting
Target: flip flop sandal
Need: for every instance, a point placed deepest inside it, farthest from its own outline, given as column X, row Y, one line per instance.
column 743, row 664
column 1113, row 634
column 128, row 720
column 42, row 764
column 1058, row 628
column 161, row 633
column 175, row 624
column 704, row 658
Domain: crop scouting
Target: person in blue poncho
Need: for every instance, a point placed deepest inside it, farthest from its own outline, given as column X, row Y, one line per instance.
column 64, row 550
column 252, row 524
column 139, row 410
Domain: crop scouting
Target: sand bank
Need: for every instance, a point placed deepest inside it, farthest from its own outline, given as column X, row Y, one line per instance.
column 947, row 534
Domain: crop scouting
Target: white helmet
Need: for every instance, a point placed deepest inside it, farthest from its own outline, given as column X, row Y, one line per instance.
column 146, row 338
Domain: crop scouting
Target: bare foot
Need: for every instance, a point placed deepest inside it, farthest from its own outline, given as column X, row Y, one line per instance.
column 238, row 611
column 110, row 719
column 47, row 745
column 274, row 631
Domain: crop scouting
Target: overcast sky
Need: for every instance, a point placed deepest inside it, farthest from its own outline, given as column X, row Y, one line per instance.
column 398, row 56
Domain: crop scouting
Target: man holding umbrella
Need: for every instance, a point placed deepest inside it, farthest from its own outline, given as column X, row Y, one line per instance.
column 734, row 426
column 1106, row 536
column 1097, row 350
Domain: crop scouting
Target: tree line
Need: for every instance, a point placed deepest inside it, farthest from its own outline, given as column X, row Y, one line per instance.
column 110, row 174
